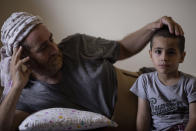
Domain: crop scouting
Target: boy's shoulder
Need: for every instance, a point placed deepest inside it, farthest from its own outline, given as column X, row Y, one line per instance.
column 148, row 76
column 154, row 74
column 188, row 76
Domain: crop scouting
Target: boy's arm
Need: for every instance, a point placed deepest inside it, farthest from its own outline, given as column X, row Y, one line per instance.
column 143, row 122
column 191, row 126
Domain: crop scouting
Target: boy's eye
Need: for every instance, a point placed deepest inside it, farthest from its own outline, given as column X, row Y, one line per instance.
column 158, row 52
column 171, row 52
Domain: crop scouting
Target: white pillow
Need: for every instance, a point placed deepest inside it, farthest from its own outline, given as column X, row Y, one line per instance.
column 64, row 119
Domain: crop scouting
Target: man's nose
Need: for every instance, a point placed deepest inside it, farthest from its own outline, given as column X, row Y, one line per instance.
column 53, row 48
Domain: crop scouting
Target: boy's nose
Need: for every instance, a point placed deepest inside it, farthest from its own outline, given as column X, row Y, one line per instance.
column 164, row 57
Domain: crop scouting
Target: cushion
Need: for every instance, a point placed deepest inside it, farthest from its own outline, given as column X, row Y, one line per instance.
column 65, row 119
column 125, row 112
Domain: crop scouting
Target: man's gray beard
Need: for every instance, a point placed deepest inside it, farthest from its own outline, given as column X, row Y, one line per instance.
column 49, row 70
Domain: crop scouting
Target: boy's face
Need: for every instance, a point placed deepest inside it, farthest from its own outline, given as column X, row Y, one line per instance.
column 165, row 54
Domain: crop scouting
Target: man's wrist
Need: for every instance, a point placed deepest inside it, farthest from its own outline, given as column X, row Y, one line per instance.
column 150, row 27
column 17, row 86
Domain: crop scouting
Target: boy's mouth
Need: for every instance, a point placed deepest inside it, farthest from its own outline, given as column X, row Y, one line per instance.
column 164, row 65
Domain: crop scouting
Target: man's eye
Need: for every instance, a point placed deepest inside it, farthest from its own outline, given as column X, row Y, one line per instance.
column 42, row 48
column 51, row 39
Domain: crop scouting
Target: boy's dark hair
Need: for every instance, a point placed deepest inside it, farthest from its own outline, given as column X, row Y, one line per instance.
column 164, row 32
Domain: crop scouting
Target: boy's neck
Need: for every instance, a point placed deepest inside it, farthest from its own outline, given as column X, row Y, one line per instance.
column 169, row 79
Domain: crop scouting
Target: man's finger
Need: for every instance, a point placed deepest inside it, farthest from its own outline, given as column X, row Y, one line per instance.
column 169, row 22
column 18, row 54
column 157, row 25
column 177, row 32
column 14, row 55
column 180, row 30
column 15, row 50
column 24, row 68
column 22, row 62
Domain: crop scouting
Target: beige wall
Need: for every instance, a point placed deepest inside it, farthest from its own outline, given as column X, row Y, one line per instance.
column 111, row 19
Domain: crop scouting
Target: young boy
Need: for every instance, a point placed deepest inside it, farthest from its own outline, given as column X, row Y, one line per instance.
column 166, row 97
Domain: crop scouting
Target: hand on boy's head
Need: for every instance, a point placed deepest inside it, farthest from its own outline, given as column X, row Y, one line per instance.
column 168, row 21
column 172, row 25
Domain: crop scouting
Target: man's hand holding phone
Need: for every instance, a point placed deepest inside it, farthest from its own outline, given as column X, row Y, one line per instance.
column 19, row 71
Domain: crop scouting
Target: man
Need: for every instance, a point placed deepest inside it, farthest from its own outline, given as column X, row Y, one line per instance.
column 76, row 74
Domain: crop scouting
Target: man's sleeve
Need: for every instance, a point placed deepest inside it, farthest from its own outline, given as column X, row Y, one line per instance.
column 138, row 88
column 23, row 106
column 99, row 48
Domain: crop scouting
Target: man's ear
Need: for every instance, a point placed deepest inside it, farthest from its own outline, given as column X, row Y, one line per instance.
column 25, row 51
column 24, row 54
column 182, row 57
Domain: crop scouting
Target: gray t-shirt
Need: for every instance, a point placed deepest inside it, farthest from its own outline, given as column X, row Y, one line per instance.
column 169, row 104
column 89, row 78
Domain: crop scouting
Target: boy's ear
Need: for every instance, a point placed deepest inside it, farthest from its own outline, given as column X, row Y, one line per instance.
column 182, row 57
column 150, row 53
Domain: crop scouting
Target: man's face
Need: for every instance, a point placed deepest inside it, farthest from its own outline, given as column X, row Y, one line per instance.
column 45, row 56
column 165, row 55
